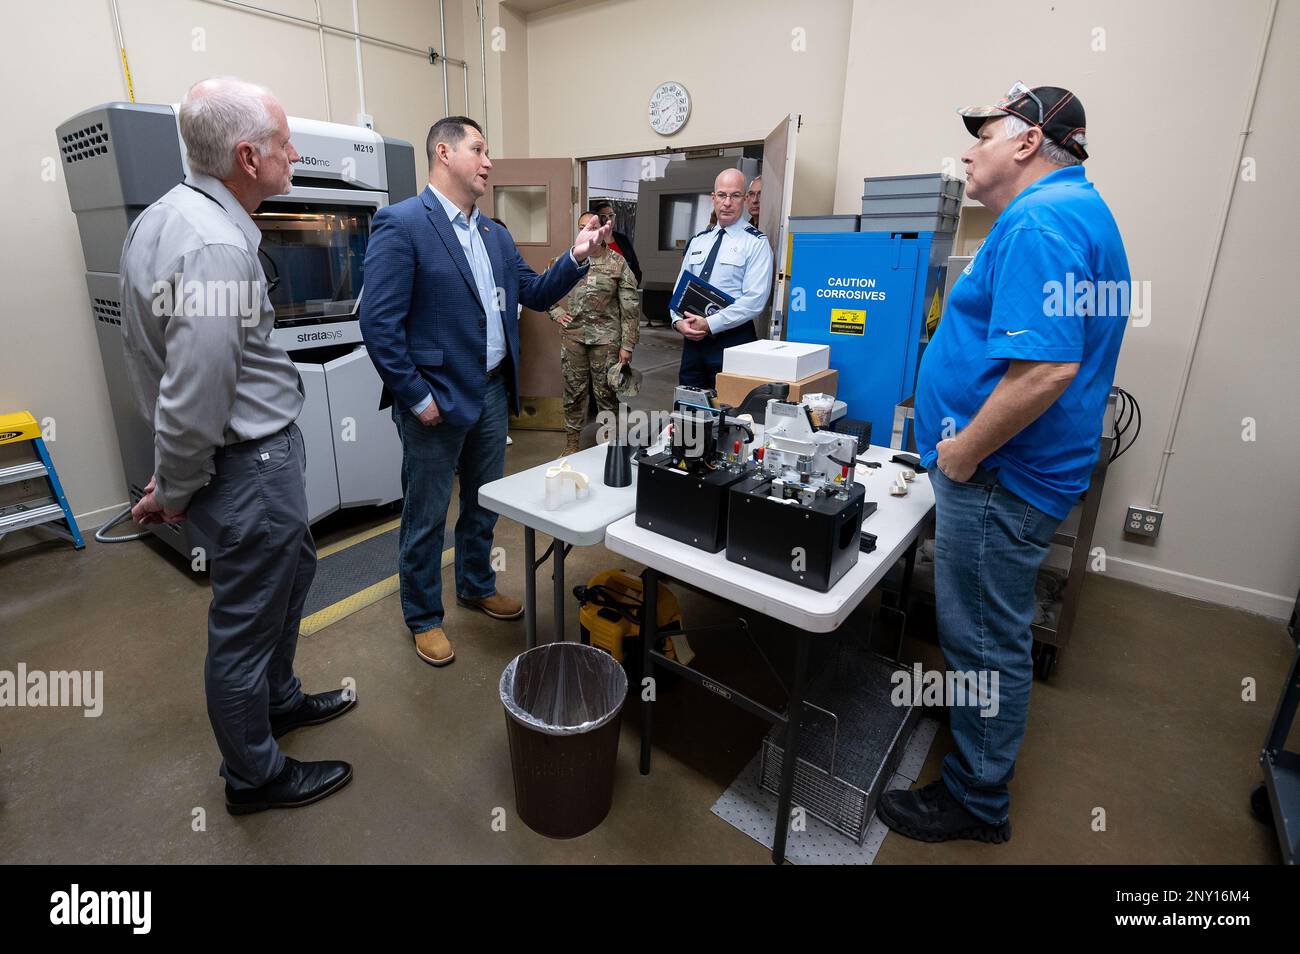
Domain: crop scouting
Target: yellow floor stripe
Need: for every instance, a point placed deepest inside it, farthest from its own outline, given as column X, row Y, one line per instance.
column 346, row 607
column 362, row 598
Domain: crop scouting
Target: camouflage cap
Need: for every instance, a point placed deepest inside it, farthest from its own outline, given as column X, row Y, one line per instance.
column 625, row 380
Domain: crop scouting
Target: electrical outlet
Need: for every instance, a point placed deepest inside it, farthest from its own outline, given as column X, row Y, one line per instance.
column 1142, row 521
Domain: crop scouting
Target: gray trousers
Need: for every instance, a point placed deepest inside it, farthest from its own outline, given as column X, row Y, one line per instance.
column 254, row 512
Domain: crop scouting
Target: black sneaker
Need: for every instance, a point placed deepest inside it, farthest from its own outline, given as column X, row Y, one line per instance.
column 932, row 814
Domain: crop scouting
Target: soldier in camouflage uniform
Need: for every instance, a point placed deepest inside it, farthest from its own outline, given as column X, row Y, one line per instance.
column 598, row 328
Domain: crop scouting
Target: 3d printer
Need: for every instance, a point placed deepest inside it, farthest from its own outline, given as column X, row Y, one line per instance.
column 120, row 157
column 798, row 515
column 682, row 491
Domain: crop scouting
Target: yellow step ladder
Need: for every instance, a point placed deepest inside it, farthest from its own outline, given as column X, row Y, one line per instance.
column 44, row 511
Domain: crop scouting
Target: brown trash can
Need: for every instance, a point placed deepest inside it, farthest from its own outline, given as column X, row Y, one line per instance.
column 563, row 705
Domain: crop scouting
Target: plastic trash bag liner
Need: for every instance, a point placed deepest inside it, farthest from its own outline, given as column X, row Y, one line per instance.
column 563, row 688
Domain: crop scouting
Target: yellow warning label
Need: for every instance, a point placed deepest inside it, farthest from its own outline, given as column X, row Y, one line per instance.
column 847, row 322
column 932, row 317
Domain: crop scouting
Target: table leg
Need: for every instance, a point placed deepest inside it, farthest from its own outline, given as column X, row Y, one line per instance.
column 558, row 565
column 530, row 588
column 905, row 593
column 790, row 756
column 649, row 636
column 909, row 565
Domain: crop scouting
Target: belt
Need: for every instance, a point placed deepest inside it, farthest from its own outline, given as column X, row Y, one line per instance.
column 251, row 446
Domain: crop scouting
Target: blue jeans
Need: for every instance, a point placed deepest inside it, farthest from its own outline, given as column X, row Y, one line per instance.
column 988, row 546
column 431, row 457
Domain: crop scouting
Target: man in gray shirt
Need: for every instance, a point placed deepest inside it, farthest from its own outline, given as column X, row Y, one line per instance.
column 228, row 457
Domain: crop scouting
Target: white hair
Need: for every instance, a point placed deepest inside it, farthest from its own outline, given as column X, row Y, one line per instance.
column 1013, row 126
column 219, row 113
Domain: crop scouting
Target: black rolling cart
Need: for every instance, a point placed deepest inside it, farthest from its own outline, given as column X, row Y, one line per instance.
column 1276, row 800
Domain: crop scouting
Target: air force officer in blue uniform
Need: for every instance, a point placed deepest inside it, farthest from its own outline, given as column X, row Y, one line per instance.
column 735, row 258
column 440, row 319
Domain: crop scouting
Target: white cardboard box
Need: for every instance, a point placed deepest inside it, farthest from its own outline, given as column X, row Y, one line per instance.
column 777, row 360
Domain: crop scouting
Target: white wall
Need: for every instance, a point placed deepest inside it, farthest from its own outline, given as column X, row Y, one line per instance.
column 62, row 59
column 1165, row 101
column 736, row 59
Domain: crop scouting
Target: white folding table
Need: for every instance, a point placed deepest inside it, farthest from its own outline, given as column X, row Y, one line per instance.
column 582, row 523
column 897, row 524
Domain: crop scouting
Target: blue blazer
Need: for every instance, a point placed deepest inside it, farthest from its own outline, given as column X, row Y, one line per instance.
column 421, row 317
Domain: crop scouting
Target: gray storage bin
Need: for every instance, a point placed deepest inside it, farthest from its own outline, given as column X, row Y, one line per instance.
column 898, row 222
column 934, row 203
column 823, row 223
column 911, row 185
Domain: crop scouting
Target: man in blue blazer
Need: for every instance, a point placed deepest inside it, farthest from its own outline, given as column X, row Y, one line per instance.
column 439, row 314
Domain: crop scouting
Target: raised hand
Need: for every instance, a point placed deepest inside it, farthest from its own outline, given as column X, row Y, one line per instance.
column 590, row 237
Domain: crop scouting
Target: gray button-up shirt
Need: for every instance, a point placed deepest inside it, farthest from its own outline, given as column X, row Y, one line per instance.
column 196, row 327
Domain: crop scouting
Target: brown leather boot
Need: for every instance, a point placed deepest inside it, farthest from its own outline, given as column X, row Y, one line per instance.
column 570, row 444
column 433, row 647
column 496, row 606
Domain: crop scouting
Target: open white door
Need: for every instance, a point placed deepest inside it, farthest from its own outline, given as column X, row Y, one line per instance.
column 774, row 210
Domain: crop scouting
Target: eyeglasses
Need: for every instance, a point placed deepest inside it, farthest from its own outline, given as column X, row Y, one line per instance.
column 274, row 281
column 1018, row 90
column 724, row 196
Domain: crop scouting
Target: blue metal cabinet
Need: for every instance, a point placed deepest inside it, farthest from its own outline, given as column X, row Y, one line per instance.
column 867, row 295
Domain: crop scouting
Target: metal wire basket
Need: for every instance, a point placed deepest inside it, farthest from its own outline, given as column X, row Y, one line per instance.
column 850, row 739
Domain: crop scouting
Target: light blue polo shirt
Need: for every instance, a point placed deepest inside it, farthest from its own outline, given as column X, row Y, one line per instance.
column 1050, row 283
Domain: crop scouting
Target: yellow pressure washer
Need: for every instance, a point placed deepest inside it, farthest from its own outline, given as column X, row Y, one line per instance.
column 612, row 605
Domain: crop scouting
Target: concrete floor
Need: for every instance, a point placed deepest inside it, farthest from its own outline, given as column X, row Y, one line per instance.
column 1142, row 718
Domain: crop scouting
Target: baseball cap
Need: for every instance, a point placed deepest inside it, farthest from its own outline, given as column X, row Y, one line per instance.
column 1056, row 111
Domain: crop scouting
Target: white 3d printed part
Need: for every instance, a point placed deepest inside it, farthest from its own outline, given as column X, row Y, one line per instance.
column 564, row 484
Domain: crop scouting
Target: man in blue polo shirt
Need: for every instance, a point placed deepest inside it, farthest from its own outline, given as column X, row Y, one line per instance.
column 1009, row 407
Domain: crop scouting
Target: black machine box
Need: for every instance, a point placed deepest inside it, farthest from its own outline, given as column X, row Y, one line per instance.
column 688, row 508
column 813, row 545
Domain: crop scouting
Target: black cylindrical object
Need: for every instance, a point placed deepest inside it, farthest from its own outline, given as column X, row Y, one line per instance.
column 618, row 465
column 563, row 705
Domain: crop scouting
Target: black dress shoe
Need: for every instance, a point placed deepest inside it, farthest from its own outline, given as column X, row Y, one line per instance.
column 313, row 710
column 932, row 814
column 298, row 784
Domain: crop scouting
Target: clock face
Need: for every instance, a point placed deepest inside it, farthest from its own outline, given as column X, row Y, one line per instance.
column 670, row 105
